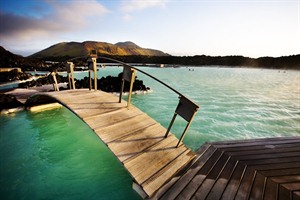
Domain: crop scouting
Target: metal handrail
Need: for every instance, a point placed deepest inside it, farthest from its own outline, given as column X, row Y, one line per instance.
column 117, row 61
column 186, row 108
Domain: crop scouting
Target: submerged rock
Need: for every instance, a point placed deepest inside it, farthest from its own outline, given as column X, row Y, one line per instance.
column 9, row 103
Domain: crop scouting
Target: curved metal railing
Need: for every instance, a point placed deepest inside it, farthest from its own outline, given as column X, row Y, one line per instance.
column 186, row 108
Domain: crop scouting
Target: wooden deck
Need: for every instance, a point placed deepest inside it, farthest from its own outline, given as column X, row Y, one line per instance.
column 135, row 138
column 250, row 169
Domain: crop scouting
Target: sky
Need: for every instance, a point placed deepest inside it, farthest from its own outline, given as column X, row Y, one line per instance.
column 251, row 28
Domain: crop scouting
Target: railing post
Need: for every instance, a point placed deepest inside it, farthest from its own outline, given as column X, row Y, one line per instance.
column 93, row 67
column 171, row 124
column 186, row 128
column 121, row 91
column 128, row 75
column 131, row 86
column 70, row 72
column 55, row 85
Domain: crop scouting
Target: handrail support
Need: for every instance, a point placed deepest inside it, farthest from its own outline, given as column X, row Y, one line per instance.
column 128, row 75
column 187, row 110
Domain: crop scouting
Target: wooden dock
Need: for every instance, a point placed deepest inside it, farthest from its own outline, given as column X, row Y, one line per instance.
column 250, row 169
column 135, row 138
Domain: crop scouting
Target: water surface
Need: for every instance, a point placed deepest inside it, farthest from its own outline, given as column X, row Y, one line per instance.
column 53, row 155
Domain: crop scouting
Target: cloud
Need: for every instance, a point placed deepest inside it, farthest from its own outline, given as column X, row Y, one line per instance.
column 131, row 6
column 64, row 17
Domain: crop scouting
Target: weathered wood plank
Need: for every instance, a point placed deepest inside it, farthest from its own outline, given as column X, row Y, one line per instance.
column 257, row 191
column 126, row 127
column 201, row 175
column 281, row 172
column 110, row 118
column 289, row 144
column 211, row 178
column 137, row 142
column 265, row 151
column 246, row 184
column 271, row 190
column 168, row 185
column 233, row 184
column 286, row 179
column 268, row 142
column 220, row 185
column 296, row 195
column 180, row 185
column 167, row 172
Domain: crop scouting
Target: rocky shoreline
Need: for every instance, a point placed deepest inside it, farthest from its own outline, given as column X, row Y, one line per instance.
column 111, row 84
column 10, row 104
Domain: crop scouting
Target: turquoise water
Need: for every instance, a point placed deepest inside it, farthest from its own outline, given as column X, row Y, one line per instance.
column 53, row 155
column 234, row 103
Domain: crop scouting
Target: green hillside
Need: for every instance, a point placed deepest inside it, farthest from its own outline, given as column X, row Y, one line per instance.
column 76, row 49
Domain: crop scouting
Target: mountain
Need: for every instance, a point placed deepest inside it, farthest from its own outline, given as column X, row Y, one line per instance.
column 77, row 49
column 8, row 60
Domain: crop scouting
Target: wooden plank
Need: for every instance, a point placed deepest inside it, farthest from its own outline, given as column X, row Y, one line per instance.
column 272, row 160
column 220, row 185
column 284, row 193
column 151, row 155
column 156, row 181
column 267, row 156
column 265, row 151
column 271, row 190
column 248, row 143
column 86, row 113
column 158, row 164
column 281, row 172
column 257, row 191
column 211, row 178
column 296, row 195
column 198, row 179
column 110, row 118
column 246, row 184
column 294, row 186
column 286, row 179
column 137, row 142
column 291, row 143
column 180, row 185
column 233, row 184
column 118, row 130
column 168, row 185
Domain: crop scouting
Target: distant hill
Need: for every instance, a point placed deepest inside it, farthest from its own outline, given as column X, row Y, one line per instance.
column 77, row 49
column 8, row 60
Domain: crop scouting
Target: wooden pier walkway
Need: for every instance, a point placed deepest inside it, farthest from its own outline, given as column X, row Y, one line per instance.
column 135, row 138
column 250, row 169
column 266, row 168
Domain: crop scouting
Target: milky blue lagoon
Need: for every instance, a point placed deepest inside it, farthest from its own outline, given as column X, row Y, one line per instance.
column 54, row 155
